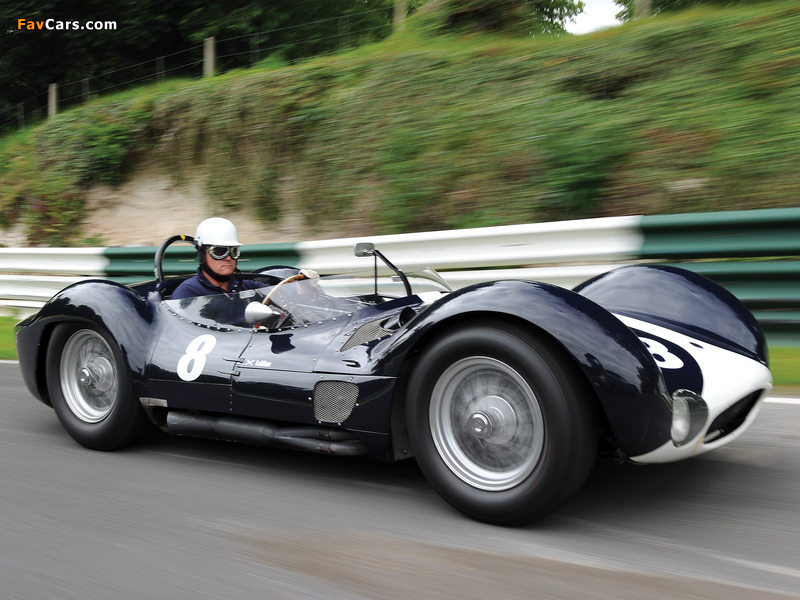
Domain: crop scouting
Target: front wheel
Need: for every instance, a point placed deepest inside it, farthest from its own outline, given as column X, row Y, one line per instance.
column 501, row 422
column 91, row 390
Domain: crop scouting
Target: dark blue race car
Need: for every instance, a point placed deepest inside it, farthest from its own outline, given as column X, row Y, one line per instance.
column 504, row 391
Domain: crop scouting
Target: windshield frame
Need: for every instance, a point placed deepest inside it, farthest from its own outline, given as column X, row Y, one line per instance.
column 305, row 301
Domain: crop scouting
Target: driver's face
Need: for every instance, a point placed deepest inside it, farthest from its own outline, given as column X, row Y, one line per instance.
column 226, row 266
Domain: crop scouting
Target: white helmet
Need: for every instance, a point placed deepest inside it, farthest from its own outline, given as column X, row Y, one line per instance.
column 216, row 231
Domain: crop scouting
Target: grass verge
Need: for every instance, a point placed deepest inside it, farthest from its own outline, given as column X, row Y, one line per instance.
column 8, row 347
column 785, row 366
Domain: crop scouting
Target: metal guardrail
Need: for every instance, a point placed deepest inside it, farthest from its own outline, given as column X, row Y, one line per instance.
column 54, row 261
column 55, row 269
column 609, row 239
column 612, row 240
column 754, row 254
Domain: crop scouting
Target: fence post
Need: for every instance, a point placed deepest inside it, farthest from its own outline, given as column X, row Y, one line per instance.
column 399, row 15
column 208, row 57
column 52, row 100
column 21, row 115
column 160, row 69
column 85, row 90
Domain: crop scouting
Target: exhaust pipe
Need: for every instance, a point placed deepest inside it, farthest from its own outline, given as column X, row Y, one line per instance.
column 264, row 433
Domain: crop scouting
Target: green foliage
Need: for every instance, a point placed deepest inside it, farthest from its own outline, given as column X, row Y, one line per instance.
column 520, row 17
column 657, row 7
column 785, row 366
column 43, row 179
column 584, row 145
column 549, row 17
column 53, row 212
column 488, row 15
column 8, row 346
column 677, row 114
column 30, row 60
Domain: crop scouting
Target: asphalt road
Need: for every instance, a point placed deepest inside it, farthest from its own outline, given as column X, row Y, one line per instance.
column 182, row 518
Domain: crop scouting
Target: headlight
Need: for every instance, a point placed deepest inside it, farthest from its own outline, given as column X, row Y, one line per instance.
column 681, row 419
column 689, row 416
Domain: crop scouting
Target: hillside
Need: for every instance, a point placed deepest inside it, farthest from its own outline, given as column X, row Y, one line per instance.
column 699, row 111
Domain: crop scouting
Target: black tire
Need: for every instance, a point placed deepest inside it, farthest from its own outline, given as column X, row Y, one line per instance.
column 502, row 422
column 91, row 389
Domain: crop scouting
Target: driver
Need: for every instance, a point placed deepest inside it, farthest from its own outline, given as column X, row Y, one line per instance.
column 218, row 249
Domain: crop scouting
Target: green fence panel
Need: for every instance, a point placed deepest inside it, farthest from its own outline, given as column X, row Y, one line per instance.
column 733, row 234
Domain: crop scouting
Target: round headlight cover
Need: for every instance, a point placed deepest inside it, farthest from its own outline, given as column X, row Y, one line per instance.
column 689, row 416
column 681, row 419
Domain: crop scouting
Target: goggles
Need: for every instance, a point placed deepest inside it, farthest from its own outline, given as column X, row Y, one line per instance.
column 221, row 252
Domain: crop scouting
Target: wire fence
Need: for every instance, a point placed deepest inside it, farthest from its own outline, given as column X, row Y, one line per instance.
column 298, row 42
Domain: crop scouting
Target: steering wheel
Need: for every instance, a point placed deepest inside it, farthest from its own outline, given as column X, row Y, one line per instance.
column 278, row 285
column 284, row 313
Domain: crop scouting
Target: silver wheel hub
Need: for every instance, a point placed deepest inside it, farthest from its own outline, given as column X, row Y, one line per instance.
column 486, row 423
column 88, row 376
column 495, row 421
column 481, row 425
column 99, row 374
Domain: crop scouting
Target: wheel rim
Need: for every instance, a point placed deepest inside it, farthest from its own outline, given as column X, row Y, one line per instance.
column 88, row 376
column 486, row 423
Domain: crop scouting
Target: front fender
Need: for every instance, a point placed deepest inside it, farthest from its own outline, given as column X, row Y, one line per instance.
column 619, row 368
column 124, row 314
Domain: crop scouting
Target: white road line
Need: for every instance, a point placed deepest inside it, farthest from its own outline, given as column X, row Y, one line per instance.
column 777, row 400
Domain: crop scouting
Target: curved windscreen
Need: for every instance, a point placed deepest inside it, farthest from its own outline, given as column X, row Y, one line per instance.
column 305, row 300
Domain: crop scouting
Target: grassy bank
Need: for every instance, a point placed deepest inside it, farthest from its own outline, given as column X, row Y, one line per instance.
column 698, row 111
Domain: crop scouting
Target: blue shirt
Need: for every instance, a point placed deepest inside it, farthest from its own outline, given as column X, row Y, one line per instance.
column 199, row 285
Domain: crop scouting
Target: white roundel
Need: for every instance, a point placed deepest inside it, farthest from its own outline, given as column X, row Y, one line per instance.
column 663, row 357
column 191, row 364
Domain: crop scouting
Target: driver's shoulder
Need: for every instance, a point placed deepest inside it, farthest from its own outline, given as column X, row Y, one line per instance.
column 188, row 289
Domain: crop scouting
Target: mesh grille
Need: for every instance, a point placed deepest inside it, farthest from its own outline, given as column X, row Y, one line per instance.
column 334, row 400
column 731, row 419
column 365, row 333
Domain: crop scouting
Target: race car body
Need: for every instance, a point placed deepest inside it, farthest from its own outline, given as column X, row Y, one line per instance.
column 502, row 391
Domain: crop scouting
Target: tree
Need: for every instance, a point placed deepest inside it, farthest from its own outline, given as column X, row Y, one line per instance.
column 551, row 16
column 524, row 17
column 246, row 30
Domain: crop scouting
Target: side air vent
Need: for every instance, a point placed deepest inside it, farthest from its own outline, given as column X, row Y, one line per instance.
column 731, row 419
column 366, row 333
column 334, row 400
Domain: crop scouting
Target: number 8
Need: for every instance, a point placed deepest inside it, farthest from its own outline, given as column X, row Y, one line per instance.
column 195, row 355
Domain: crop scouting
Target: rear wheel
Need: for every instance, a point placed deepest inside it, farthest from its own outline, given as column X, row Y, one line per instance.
column 91, row 390
column 502, row 422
